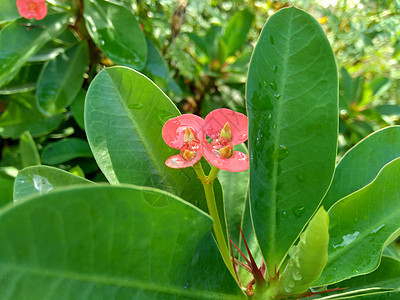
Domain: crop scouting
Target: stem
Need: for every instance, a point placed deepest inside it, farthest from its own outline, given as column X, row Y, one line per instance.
column 213, row 211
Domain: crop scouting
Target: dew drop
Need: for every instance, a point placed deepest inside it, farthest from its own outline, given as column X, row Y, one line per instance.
column 274, row 125
column 102, row 42
column 135, row 106
column 275, row 68
column 282, row 152
column 273, row 85
column 265, row 83
column 277, row 96
column 285, row 214
column 297, row 275
column 271, row 39
column 298, row 211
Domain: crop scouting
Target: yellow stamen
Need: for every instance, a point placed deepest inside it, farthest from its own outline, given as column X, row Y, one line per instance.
column 225, row 152
column 188, row 155
column 226, row 132
column 189, row 136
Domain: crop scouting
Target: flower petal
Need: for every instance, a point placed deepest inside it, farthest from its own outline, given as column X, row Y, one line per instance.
column 174, row 129
column 177, row 161
column 236, row 163
column 215, row 121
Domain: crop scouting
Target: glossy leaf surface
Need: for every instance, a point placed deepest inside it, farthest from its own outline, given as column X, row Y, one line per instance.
column 17, row 43
column 124, row 116
column 62, row 78
column 6, row 190
column 354, row 172
column 110, row 243
column 28, row 150
column 361, row 224
column 78, row 107
column 64, row 150
column 292, row 108
column 116, row 32
column 38, row 180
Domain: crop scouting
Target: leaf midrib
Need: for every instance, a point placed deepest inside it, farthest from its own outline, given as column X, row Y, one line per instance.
column 272, row 216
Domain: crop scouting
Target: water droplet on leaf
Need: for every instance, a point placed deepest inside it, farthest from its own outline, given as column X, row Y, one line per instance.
column 275, row 68
column 273, row 85
column 135, row 106
column 285, row 214
column 277, row 96
column 297, row 275
column 298, row 211
column 271, row 39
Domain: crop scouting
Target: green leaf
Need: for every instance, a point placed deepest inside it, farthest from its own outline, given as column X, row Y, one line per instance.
column 38, row 180
column 17, row 43
column 353, row 171
column 392, row 250
column 235, row 187
column 62, row 78
column 387, row 275
column 78, row 108
column 237, row 29
column 8, row 11
column 24, row 81
column 65, row 150
column 109, row 242
column 124, row 116
column 28, row 150
column 308, row 257
column 361, row 225
column 116, row 32
column 156, row 67
column 293, row 125
column 23, row 115
column 6, row 188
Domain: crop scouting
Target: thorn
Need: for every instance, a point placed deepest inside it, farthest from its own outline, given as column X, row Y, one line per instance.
column 241, row 253
column 233, row 263
column 256, row 272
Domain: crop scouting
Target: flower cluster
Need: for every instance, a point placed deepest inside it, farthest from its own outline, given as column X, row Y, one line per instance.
column 188, row 133
column 30, row 9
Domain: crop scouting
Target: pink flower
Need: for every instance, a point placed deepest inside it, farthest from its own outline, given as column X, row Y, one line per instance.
column 188, row 134
column 227, row 128
column 32, row 9
column 185, row 133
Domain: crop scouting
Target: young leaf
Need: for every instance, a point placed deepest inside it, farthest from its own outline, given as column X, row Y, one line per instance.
column 308, row 257
column 28, row 150
column 64, row 150
column 38, row 180
column 293, row 125
column 116, row 32
column 109, row 242
column 62, row 78
column 353, row 171
column 361, row 225
column 17, row 43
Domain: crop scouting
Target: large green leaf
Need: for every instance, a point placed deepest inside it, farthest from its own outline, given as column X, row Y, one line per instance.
column 359, row 165
column 124, row 116
column 23, row 115
column 17, row 43
column 116, row 32
column 110, row 243
column 62, row 78
column 64, row 150
column 28, row 150
column 361, row 225
column 292, row 105
column 38, row 180
column 386, row 276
